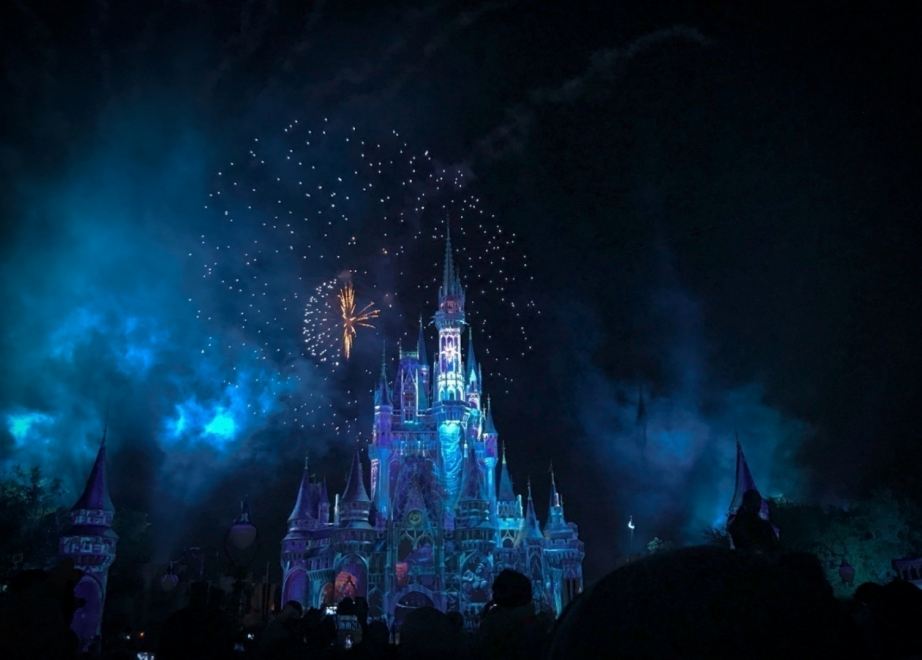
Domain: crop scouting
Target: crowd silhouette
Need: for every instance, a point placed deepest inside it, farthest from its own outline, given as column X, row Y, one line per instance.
column 700, row 602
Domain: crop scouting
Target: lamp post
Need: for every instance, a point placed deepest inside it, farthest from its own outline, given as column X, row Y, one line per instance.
column 630, row 547
column 240, row 548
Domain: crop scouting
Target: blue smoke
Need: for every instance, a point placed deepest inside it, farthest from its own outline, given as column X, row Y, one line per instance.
column 672, row 466
column 101, row 298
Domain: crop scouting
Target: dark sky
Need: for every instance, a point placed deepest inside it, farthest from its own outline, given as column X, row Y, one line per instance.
column 717, row 205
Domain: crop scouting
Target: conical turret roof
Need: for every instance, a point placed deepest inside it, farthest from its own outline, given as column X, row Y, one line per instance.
column 506, row 492
column 472, row 370
column 744, row 480
column 306, row 504
column 451, row 285
column 488, row 425
column 383, row 391
column 421, row 345
column 95, row 494
column 355, row 486
column 532, row 528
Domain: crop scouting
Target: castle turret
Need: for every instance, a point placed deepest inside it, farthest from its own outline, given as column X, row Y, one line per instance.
column 489, row 427
column 534, row 552
column 90, row 543
column 532, row 527
column 509, row 518
column 556, row 525
column 506, row 496
column 490, row 441
column 472, row 372
column 304, row 514
column 354, row 505
column 563, row 554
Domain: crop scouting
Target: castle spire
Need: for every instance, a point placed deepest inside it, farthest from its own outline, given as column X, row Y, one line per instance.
column 555, row 496
column 355, row 486
column 506, row 492
column 450, row 312
column 421, row 344
column 449, row 275
column 305, row 505
column 532, row 528
column 96, row 492
column 355, row 505
column 471, row 359
column 383, row 392
column 557, row 527
column 488, row 426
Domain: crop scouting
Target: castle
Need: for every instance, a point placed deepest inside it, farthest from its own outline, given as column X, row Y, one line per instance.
column 438, row 524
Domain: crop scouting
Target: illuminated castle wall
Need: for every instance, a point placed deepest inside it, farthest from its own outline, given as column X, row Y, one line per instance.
column 437, row 526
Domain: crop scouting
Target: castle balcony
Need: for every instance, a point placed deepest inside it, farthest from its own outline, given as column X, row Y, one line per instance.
column 450, row 411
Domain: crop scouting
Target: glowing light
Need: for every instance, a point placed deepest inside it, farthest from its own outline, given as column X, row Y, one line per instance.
column 19, row 424
column 352, row 319
column 630, row 523
column 221, row 425
column 178, row 425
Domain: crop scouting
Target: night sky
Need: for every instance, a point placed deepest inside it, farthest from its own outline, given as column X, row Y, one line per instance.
column 714, row 206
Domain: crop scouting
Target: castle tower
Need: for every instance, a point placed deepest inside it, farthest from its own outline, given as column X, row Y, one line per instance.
column 510, row 521
column 563, row 554
column 448, row 319
column 295, row 543
column 90, row 542
column 304, row 515
column 490, row 441
column 533, row 540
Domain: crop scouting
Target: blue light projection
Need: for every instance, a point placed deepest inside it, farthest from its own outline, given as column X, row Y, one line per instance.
column 221, row 425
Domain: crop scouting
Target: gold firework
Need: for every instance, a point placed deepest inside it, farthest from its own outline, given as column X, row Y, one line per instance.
column 352, row 319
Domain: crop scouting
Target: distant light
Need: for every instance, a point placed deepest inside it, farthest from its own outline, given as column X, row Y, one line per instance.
column 221, row 425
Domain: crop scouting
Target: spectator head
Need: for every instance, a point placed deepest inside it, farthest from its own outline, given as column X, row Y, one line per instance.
column 291, row 611
column 511, row 589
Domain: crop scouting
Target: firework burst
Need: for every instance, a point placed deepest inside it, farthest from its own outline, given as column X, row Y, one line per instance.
column 352, row 319
column 326, row 205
